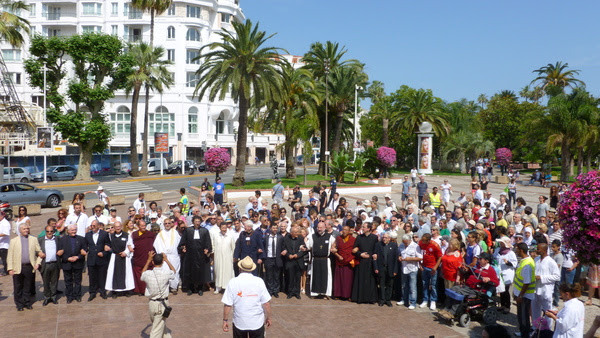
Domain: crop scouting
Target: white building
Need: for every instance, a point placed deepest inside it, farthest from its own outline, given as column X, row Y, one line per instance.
column 182, row 30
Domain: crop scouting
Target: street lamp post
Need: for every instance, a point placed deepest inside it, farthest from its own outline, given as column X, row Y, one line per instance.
column 326, row 117
column 45, row 124
column 354, row 145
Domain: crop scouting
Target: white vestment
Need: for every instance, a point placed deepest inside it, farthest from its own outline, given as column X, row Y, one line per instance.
column 309, row 246
column 549, row 273
column 129, row 282
column 223, row 247
column 166, row 242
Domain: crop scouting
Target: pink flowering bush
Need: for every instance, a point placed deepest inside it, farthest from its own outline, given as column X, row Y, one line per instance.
column 386, row 156
column 217, row 160
column 579, row 214
column 503, row 156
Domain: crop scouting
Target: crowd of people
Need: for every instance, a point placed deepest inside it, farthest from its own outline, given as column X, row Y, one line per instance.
column 374, row 252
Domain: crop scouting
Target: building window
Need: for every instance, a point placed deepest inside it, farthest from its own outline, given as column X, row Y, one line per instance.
column 51, row 12
column 16, row 78
column 193, row 11
column 191, row 79
column 161, row 121
column 115, row 30
column 192, row 35
column 171, row 32
column 220, row 125
column 225, row 17
column 92, row 8
column 120, row 122
column 132, row 13
column 91, row 29
column 114, row 9
column 171, row 55
column 11, row 54
column 193, row 120
column 192, row 57
column 32, row 10
column 171, row 10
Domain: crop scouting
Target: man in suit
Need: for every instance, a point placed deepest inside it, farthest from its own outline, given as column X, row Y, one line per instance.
column 22, row 267
column 72, row 259
column 98, row 249
column 50, row 265
column 295, row 249
column 385, row 264
column 273, row 260
column 250, row 243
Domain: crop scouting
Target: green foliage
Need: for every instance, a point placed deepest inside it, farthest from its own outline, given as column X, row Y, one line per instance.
column 371, row 162
column 358, row 167
column 11, row 23
column 339, row 164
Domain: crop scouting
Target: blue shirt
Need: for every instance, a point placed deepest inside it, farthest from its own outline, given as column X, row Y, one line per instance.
column 219, row 188
column 406, row 187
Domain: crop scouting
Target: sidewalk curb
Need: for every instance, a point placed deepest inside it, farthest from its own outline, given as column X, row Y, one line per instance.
column 164, row 177
column 43, row 186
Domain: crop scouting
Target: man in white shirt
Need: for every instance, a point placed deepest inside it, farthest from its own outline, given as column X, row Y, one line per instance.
column 546, row 274
column 249, row 298
column 446, row 189
column 410, row 257
column 487, row 197
column 252, row 205
column 97, row 216
column 102, row 196
column 157, row 290
column 4, row 239
column 50, row 267
column 335, row 201
column 478, row 193
column 413, row 176
column 78, row 218
column 517, row 223
column 139, row 203
column 388, row 209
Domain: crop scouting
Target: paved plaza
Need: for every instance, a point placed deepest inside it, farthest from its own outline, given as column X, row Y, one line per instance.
column 195, row 316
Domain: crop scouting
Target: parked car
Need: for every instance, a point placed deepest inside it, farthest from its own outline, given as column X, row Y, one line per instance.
column 281, row 163
column 175, row 167
column 56, row 173
column 16, row 174
column 154, row 165
column 201, row 167
column 21, row 193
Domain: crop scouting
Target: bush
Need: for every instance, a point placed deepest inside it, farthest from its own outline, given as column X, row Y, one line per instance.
column 340, row 163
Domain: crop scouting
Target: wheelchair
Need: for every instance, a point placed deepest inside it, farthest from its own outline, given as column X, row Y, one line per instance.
column 468, row 304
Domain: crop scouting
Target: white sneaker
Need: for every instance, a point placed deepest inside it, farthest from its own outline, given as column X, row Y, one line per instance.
column 400, row 303
column 432, row 306
column 423, row 305
column 412, row 307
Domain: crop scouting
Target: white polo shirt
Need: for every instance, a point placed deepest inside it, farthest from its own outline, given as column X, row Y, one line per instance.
column 247, row 294
column 5, row 230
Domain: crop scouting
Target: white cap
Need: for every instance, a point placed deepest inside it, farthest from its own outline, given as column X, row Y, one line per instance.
column 100, row 188
column 388, row 196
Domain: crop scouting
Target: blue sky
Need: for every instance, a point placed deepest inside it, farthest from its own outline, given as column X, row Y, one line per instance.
column 456, row 48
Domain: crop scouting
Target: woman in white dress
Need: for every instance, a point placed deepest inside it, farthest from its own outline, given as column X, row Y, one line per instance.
column 21, row 218
column 569, row 320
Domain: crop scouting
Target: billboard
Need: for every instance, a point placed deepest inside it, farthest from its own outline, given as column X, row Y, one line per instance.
column 161, row 143
column 44, row 138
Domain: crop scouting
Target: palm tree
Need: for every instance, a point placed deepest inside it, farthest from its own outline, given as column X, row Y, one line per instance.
column 242, row 66
column 507, row 95
column 556, row 75
column 155, row 7
column 150, row 71
column 568, row 118
column 418, row 106
column 525, row 93
column 482, row 100
column 11, row 24
column 465, row 146
column 381, row 108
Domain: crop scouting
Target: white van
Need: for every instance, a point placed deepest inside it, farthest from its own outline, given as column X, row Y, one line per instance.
column 155, row 164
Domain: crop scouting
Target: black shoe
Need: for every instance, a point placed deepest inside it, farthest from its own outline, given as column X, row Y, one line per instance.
column 189, row 293
column 59, row 292
column 388, row 303
column 46, row 301
column 289, row 296
column 380, row 303
column 114, row 295
column 174, row 293
column 103, row 295
column 298, row 296
column 200, row 293
column 54, row 301
column 29, row 307
column 91, row 297
column 69, row 301
column 276, row 295
column 19, row 309
column 128, row 294
column 78, row 299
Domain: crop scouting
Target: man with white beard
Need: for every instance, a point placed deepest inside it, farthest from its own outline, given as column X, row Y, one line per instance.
column 166, row 242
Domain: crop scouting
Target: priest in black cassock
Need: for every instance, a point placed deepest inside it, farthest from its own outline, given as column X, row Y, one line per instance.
column 364, row 288
column 294, row 245
column 195, row 243
column 119, row 276
column 321, row 278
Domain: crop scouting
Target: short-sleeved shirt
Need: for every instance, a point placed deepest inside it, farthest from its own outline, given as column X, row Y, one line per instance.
column 431, row 253
column 157, row 282
column 219, row 187
column 422, row 188
column 5, row 230
column 406, row 187
column 247, row 293
column 526, row 276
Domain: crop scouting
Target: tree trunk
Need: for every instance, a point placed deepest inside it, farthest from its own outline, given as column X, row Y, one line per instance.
column 144, row 170
column 565, row 169
column 151, row 28
column 385, row 133
column 588, row 163
column 133, row 157
column 85, row 162
column 579, row 161
column 322, row 149
column 239, row 178
column 462, row 163
column 290, row 165
column 337, row 141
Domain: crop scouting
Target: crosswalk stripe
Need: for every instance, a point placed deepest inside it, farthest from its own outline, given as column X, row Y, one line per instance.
column 127, row 188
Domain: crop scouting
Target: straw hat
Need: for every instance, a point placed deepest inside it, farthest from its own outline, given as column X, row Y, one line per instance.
column 247, row 264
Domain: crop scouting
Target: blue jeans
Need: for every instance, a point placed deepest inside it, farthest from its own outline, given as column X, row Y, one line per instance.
column 429, row 285
column 409, row 288
column 567, row 276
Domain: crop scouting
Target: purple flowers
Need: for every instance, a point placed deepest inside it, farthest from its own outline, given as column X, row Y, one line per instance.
column 386, row 156
column 578, row 213
column 503, row 156
column 217, row 160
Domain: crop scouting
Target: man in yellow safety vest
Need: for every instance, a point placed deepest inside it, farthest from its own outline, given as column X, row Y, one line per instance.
column 435, row 198
column 524, row 289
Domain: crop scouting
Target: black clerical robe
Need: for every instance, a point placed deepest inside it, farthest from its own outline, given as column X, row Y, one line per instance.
column 321, row 278
column 196, row 264
column 364, row 288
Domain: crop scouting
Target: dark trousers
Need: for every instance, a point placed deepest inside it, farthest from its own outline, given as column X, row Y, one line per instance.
column 421, row 201
column 97, row 276
column 505, row 297
column 272, row 275
column 50, row 278
column 523, row 313
column 73, row 283
column 293, row 272
column 3, row 253
column 385, row 286
column 237, row 333
column 23, row 284
column 218, row 199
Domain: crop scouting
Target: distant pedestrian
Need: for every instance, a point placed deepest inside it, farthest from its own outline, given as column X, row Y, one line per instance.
column 277, row 193
column 218, row 190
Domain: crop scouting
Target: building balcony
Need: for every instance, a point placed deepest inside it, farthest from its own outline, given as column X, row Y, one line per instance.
column 58, row 19
column 57, row 2
column 221, row 138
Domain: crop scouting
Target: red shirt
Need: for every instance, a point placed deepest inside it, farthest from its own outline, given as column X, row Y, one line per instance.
column 431, row 253
column 450, row 266
column 476, row 283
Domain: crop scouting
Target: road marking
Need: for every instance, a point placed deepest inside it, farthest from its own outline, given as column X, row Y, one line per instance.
column 120, row 188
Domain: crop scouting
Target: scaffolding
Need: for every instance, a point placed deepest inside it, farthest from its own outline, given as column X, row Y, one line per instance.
column 17, row 128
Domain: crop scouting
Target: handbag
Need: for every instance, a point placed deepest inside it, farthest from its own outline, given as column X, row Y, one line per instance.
column 167, row 311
